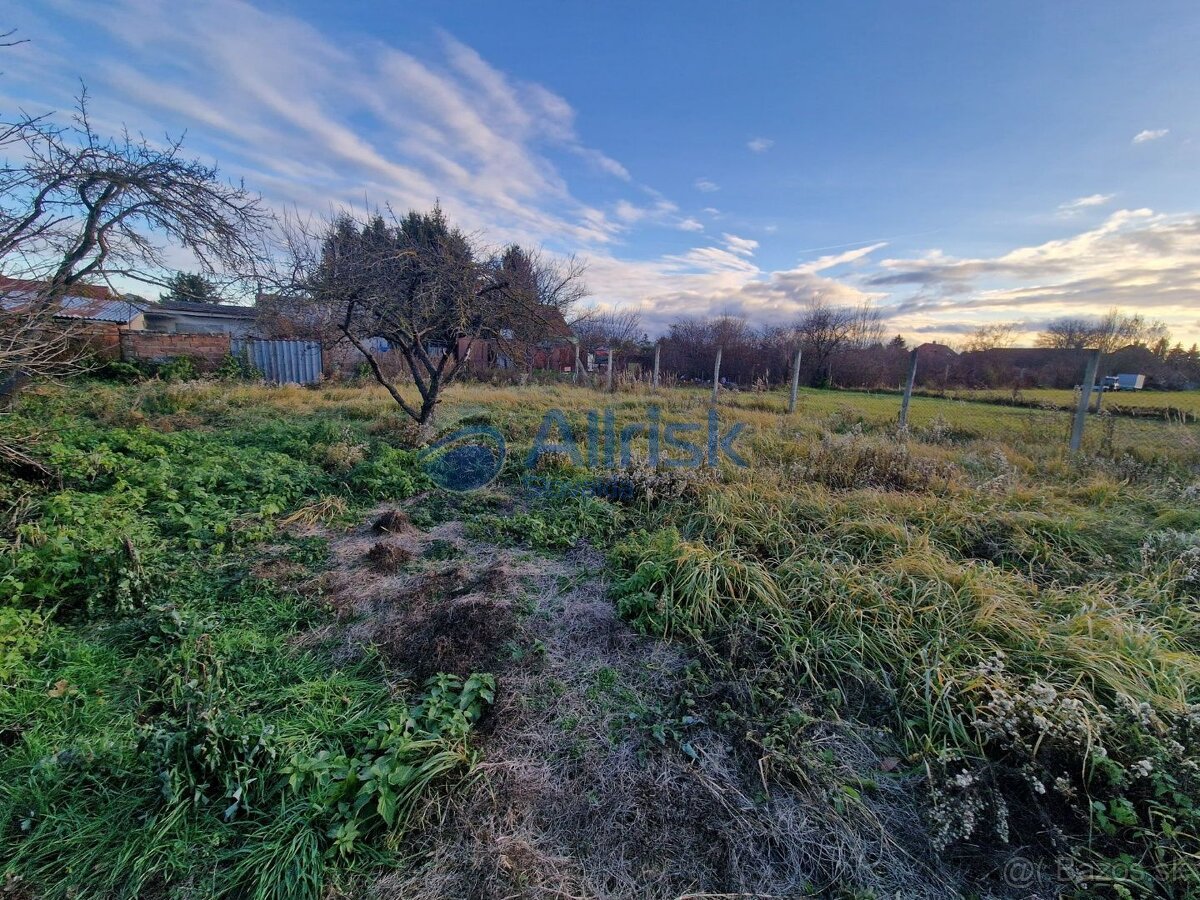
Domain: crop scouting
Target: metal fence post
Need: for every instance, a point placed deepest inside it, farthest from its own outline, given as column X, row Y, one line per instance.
column 795, row 382
column 1085, row 396
column 908, row 388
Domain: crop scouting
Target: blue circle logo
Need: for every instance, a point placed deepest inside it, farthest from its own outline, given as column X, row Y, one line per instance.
column 467, row 459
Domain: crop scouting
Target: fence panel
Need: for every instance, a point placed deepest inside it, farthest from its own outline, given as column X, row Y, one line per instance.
column 283, row 362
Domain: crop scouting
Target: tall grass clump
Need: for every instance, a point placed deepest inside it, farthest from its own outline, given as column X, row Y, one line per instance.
column 1034, row 648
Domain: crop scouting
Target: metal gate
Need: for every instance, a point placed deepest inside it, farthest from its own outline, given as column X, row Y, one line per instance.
column 283, row 362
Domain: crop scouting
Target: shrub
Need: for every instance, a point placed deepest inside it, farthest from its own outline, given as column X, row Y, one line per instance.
column 237, row 368
column 181, row 368
column 852, row 461
column 389, row 474
column 120, row 372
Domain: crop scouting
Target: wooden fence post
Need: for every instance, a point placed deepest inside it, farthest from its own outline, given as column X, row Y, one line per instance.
column 716, row 376
column 908, row 389
column 795, row 382
column 1085, row 396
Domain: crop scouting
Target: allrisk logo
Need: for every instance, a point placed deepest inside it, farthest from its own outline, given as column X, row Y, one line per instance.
column 671, row 445
column 471, row 458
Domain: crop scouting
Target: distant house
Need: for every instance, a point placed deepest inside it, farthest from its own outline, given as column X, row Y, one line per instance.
column 543, row 342
column 84, row 303
column 187, row 317
column 92, row 316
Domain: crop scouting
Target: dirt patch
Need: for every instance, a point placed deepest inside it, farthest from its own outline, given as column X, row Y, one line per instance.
column 388, row 558
column 394, row 521
column 592, row 785
column 425, row 614
column 594, row 781
column 279, row 570
column 457, row 635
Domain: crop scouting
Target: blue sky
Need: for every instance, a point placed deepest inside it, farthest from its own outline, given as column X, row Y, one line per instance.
column 953, row 163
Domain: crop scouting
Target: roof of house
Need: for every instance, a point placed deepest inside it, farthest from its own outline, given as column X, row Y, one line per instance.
column 933, row 348
column 26, row 286
column 190, row 307
column 85, row 302
column 556, row 326
column 119, row 311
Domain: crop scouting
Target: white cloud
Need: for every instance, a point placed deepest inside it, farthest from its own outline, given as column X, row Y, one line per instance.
column 821, row 263
column 628, row 212
column 690, row 225
column 707, row 186
column 1150, row 134
column 740, row 245
column 1136, row 259
column 712, row 211
column 605, row 164
column 760, row 144
column 1072, row 207
column 315, row 123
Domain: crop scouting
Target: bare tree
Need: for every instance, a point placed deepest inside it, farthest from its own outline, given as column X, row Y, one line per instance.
column 992, row 336
column 617, row 328
column 1108, row 333
column 824, row 330
column 417, row 286
column 79, row 209
column 1067, row 333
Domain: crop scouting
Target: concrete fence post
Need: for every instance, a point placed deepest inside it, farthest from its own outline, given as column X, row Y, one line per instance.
column 657, row 358
column 608, row 386
column 1100, row 393
column 1085, row 396
column 575, row 370
column 716, row 376
column 795, row 382
column 908, row 389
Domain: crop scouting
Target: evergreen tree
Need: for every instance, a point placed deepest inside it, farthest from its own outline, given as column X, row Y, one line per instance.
column 189, row 287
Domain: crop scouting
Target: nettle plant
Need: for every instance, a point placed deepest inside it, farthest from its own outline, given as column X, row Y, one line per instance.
column 379, row 785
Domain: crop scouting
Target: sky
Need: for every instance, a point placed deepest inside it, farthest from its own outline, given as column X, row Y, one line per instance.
column 953, row 163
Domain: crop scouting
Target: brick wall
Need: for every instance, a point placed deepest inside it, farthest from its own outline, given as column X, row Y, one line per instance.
column 205, row 350
column 100, row 339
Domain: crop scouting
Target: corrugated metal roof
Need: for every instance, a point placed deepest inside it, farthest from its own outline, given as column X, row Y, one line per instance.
column 119, row 311
column 88, row 309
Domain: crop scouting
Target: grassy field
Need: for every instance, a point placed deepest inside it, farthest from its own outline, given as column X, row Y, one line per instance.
column 1184, row 405
column 868, row 664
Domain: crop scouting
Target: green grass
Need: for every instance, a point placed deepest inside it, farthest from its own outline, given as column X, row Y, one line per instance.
column 161, row 730
column 1024, row 622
